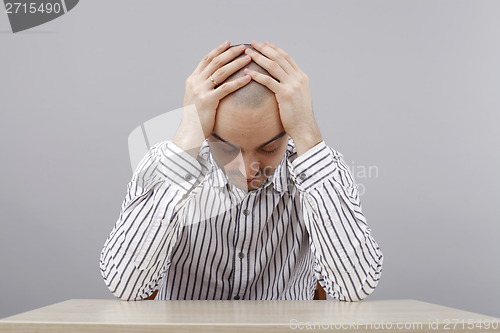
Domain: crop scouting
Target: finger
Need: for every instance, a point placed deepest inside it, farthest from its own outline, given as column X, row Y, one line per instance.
column 265, row 80
column 222, row 59
column 273, row 54
column 270, row 65
column 284, row 55
column 227, row 70
column 228, row 87
column 212, row 54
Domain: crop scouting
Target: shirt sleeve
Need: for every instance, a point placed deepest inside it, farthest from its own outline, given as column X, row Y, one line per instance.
column 138, row 250
column 348, row 261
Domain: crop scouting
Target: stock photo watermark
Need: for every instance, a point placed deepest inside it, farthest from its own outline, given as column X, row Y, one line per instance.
column 24, row 15
column 361, row 173
column 473, row 325
column 230, row 159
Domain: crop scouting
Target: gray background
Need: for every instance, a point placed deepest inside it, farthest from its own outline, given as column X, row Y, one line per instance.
column 409, row 87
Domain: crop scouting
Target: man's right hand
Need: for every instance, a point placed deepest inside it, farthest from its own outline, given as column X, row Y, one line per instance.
column 201, row 99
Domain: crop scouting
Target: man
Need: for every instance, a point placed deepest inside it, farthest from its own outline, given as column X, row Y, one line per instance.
column 247, row 201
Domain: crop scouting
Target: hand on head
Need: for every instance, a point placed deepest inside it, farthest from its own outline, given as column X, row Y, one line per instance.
column 201, row 98
column 225, row 70
column 293, row 95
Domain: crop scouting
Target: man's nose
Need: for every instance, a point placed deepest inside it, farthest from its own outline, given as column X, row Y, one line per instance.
column 249, row 166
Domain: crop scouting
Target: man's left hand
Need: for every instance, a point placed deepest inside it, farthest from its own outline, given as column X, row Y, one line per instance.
column 292, row 93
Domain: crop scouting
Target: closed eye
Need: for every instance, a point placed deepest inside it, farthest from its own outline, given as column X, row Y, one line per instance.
column 268, row 151
column 230, row 151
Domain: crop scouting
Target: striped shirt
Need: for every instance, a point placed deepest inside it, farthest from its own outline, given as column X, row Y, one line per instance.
column 185, row 230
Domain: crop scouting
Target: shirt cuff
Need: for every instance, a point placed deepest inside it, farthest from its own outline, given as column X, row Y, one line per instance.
column 180, row 168
column 314, row 166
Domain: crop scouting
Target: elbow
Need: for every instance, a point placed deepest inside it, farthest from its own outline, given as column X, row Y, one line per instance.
column 370, row 282
column 367, row 284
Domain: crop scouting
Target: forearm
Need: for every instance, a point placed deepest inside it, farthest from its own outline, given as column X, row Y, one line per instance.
column 137, row 250
column 190, row 136
column 349, row 260
column 348, row 256
column 306, row 138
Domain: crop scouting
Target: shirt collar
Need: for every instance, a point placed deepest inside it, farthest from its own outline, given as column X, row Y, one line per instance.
column 280, row 178
column 217, row 177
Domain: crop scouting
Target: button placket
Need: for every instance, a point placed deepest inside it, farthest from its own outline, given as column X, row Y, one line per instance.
column 244, row 221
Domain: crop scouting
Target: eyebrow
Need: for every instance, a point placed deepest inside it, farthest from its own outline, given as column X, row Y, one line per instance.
column 262, row 145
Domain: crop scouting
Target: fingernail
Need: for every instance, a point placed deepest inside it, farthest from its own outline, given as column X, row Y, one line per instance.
column 248, row 51
column 241, row 47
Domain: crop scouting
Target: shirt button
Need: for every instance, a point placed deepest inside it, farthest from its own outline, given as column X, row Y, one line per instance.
column 187, row 177
column 246, row 212
column 236, row 297
column 241, row 255
column 302, row 176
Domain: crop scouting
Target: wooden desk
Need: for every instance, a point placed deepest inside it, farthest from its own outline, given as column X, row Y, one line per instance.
column 247, row 316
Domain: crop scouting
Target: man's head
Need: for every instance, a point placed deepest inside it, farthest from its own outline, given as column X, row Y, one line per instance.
column 252, row 94
column 248, row 141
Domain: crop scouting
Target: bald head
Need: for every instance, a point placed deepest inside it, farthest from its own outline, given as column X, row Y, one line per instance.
column 253, row 94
